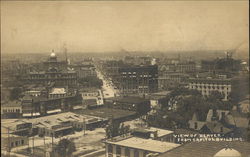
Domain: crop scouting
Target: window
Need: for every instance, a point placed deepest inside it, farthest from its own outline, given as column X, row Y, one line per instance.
column 118, row 150
column 195, row 125
column 221, row 129
column 136, row 153
column 16, row 143
column 12, row 144
column 127, row 152
column 110, row 148
column 22, row 142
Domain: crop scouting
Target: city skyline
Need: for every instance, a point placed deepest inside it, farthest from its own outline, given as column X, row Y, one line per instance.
column 35, row 27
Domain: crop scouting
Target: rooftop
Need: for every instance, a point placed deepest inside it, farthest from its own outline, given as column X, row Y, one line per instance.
column 11, row 124
column 160, row 132
column 185, row 131
column 162, row 93
column 11, row 104
column 145, row 144
column 88, row 90
column 5, row 135
column 49, row 121
column 105, row 112
column 208, row 149
column 129, row 99
column 58, row 91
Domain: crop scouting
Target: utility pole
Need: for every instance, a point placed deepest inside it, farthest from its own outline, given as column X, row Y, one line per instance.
column 28, row 144
column 52, row 144
column 8, row 141
column 33, row 143
column 44, row 145
column 84, row 126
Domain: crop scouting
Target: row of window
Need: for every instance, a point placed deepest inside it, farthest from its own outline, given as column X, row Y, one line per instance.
column 90, row 94
column 210, row 84
column 11, row 110
column 194, row 87
column 53, row 77
column 57, row 95
column 129, row 72
column 127, row 152
column 138, row 75
column 207, row 92
column 17, row 143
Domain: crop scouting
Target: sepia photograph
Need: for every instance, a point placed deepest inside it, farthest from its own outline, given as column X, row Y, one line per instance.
column 146, row 78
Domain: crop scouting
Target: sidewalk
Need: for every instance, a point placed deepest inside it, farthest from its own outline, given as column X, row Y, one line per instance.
column 13, row 154
column 95, row 153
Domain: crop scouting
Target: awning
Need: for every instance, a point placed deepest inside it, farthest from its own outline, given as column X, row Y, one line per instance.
column 31, row 114
column 78, row 107
column 54, row 111
column 64, row 128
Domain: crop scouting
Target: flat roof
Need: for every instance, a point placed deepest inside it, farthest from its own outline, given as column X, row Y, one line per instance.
column 160, row 132
column 51, row 120
column 129, row 99
column 58, row 91
column 5, row 135
column 162, row 93
column 106, row 112
column 11, row 104
column 10, row 124
column 145, row 144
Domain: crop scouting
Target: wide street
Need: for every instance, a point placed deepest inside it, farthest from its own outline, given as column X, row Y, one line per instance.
column 107, row 88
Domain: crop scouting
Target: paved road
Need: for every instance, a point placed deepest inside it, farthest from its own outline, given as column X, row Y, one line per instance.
column 108, row 90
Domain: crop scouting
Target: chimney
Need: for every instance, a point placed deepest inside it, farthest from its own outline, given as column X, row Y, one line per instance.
column 214, row 115
column 223, row 115
column 214, row 112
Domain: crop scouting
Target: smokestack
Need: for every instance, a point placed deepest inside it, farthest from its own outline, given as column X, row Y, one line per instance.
column 65, row 52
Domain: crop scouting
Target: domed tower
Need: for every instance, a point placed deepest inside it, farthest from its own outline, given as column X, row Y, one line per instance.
column 228, row 152
column 53, row 57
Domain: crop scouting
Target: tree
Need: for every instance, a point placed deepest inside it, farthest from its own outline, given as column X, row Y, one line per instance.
column 112, row 129
column 215, row 95
column 184, row 91
column 187, row 103
column 116, row 129
column 240, row 89
column 15, row 93
column 91, row 81
column 215, row 99
column 248, row 135
column 143, row 108
column 65, row 148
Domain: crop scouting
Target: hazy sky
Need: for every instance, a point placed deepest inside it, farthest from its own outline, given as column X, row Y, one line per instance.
column 112, row 26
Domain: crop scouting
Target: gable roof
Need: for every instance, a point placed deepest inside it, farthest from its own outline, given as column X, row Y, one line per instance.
column 197, row 117
column 218, row 114
column 215, row 127
column 242, row 122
